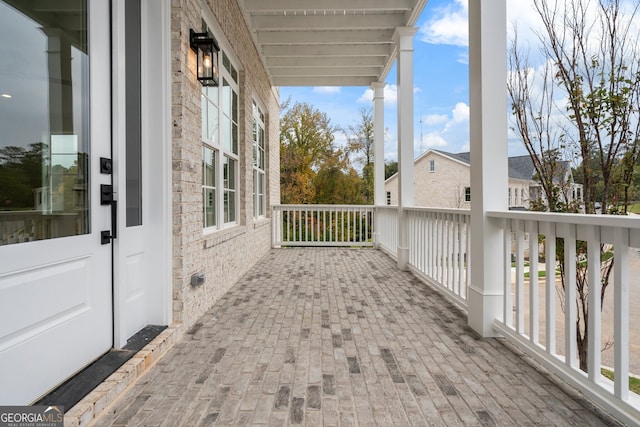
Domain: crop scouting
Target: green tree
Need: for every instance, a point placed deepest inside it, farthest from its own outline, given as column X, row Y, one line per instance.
column 360, row 141
column 390, row 168
column 306, row 141
column 593, row 63
column 21, row 172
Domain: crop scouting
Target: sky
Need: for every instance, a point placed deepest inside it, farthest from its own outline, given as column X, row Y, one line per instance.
column 441, row 82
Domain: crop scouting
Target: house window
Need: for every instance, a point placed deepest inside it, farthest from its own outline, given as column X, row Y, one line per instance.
column 515, row 197
column 220, row 159
column 432, row 165
column 258, row 162
column 388, row 198
column 509, row 197
column 467, row 194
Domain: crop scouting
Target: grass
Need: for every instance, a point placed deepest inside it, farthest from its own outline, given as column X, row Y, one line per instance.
column 541, row 273
column 635, row 208
column 634, row 383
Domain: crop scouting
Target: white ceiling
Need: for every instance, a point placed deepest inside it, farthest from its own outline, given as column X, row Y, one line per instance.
column 328, row 42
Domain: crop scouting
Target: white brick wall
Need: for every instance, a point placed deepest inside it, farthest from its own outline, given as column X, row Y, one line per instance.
column 225, row 255
column 444, row 187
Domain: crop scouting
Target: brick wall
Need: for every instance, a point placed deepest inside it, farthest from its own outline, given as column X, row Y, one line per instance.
column 442, row 188
column 227, row 254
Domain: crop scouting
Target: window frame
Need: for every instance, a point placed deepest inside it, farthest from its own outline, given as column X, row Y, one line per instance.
column 259, row 161
column 432, row 165
column 224, row 141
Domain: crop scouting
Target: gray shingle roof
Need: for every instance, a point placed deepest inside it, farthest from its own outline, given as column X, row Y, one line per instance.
column 520, row 167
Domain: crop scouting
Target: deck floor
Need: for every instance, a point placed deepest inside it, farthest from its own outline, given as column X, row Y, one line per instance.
column 341, row 337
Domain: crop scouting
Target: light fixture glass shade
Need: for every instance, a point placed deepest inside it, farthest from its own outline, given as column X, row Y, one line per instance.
column 206, row 50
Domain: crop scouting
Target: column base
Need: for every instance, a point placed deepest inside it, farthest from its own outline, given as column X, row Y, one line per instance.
column 483, row 310
column 403, row 258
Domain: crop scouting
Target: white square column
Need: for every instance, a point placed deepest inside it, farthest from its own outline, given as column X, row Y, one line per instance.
column 403, row 37
column 379, row 196
column 489, row 169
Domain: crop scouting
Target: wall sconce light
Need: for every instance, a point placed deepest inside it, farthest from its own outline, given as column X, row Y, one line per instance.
column 206, row 50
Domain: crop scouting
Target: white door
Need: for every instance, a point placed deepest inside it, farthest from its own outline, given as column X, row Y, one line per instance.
column 55, row 272
column 141, row 144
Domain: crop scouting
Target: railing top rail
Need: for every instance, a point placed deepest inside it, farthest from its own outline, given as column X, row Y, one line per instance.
column 440, row 210
column 567, row 218
column 314, row 206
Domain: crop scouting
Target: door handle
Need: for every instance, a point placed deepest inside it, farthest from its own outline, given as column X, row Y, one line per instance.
column 106, row 198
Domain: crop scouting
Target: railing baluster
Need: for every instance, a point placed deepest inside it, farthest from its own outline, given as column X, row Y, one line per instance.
column 593, row 273
column 508, row 300
column 571, row 351
column 534, row 307
column 621, row 313
column 550, row 293
column 519, row 277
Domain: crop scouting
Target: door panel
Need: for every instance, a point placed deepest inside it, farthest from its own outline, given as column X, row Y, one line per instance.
column 55, row 276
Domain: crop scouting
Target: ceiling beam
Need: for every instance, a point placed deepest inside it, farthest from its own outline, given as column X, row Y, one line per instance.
column 332, row 50
column 253, row 6
column 335, row 37
column 328, row 22
column 326, row 71
column 324, row 81
column 326, row 61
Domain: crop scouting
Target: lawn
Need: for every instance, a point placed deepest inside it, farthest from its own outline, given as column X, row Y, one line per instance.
column 635, row 208
column 634, row 383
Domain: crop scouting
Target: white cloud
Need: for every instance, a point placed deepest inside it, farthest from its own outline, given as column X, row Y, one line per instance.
column 435, row 119
column 433, row 139
column 448, row 25
column 390, row 95
column 446, row 130
column 326, row 89
column 460, row 112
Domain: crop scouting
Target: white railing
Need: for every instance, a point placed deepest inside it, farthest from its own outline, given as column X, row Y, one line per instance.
column 439, row 247
column 387, row 228
column 535, row 314
column 322, row 225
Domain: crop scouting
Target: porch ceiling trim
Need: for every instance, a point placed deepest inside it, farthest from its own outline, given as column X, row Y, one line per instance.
column 329, row 42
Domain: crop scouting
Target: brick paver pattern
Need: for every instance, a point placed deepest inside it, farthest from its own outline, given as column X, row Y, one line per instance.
column 340, row 337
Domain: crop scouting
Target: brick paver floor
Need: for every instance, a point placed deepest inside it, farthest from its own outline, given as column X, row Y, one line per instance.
column 340, row 337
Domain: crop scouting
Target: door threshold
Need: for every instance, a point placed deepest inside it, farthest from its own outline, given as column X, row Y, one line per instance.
column 75, row 388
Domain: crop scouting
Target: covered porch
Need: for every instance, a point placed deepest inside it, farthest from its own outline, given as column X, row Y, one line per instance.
column 342, row 337
column 429, row 328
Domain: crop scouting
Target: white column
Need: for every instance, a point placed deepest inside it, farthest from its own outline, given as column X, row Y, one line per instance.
column 379, row 196
column 489, row 182
column 403, row 37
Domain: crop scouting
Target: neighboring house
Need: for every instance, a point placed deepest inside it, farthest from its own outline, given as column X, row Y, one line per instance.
column 442, row 180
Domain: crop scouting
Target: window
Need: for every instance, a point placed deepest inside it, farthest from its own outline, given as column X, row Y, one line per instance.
column 432, row 165
column 509, row 197
column 515, row 197
column 220, row 159
column 258, row 162
column 467, row 194
column 45, row 143
column 388, row 198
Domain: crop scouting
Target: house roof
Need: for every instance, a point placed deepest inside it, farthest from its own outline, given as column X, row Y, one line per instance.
column 520, row 167
column 329, row 42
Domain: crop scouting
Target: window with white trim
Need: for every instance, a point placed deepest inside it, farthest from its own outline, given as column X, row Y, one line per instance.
column 220, row 157
column 432, row 165
column 467, row 194
column 258, row 162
